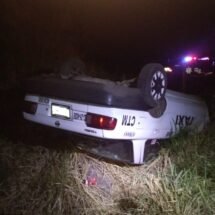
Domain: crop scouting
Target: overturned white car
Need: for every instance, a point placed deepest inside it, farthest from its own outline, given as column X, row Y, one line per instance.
column 124, row 119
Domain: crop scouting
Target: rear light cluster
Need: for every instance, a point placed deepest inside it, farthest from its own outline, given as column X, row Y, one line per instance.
column 30, row 107
column 100, row 121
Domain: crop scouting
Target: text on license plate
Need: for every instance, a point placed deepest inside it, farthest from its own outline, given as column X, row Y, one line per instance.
column 60, row 111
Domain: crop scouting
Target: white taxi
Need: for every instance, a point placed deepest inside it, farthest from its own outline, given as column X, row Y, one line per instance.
column 123, row 119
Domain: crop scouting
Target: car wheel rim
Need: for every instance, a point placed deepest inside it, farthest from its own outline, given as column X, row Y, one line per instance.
column 158, row 85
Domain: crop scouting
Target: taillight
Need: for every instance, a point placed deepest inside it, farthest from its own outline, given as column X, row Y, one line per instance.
column 30, row 107
column 100, row 121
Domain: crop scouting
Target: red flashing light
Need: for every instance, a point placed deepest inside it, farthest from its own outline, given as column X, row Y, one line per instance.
column 100, row 121
column 189, row 59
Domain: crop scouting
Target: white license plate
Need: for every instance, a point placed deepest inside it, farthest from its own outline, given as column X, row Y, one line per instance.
column 61, row 111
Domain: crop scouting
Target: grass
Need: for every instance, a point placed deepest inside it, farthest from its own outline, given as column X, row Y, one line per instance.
column 39, row 180
column 41, row 173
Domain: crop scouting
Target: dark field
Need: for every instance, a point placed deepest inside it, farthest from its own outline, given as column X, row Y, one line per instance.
column 42, row 173
column 14, row 127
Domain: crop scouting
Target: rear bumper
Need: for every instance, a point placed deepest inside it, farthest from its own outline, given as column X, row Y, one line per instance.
column 63, row 125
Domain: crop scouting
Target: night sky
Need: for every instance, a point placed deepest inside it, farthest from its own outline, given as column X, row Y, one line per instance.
column 114, row 32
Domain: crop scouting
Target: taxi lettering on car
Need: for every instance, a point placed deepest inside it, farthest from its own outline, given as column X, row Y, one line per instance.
column 125, row 120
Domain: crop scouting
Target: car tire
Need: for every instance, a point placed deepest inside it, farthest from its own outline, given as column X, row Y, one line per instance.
column 152, row 82
column 159, row 109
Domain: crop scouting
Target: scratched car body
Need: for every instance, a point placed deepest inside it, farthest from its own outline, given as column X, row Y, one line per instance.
column 112, row 113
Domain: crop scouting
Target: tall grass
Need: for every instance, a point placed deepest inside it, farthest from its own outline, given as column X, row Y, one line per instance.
column 38, row 180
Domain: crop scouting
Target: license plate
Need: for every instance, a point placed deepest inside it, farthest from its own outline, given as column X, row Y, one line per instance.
column 61, row 111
